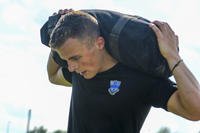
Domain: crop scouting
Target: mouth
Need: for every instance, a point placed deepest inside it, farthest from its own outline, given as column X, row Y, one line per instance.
column 82, row 73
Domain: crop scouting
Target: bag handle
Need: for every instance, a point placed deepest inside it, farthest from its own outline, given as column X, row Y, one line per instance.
column 114, row 36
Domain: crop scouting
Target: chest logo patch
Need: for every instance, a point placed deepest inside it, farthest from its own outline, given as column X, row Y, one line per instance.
column 114, row 87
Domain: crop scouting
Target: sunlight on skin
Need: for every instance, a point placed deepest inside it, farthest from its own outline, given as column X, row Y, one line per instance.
column 24, row 82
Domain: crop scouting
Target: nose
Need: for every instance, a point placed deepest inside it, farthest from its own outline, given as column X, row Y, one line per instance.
column 72, row 66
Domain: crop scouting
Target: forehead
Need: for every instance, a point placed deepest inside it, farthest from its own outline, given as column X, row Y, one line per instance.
column 71, row 47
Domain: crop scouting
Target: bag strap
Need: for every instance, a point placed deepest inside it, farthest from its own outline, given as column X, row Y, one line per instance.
column 114, row 36
column 116, row 30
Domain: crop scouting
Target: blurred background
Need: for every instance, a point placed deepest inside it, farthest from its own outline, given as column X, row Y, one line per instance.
column 24, row 85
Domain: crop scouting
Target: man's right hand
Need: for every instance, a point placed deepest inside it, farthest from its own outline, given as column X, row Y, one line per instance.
column 63, row 11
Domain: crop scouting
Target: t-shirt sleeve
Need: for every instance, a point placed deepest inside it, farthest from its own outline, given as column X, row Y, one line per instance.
column 160, row 93
column 67, row 75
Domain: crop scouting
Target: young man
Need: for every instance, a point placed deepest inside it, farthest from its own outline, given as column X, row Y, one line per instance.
column 107, row 96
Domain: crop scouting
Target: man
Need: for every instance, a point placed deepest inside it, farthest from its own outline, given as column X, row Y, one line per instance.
column 107, row 96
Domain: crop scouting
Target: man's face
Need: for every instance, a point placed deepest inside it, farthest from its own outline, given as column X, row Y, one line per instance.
column 86, row 61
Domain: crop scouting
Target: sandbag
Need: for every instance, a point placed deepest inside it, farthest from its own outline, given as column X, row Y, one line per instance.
column 128, row 39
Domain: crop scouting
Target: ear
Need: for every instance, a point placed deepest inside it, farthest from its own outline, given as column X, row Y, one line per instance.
column 100, row 42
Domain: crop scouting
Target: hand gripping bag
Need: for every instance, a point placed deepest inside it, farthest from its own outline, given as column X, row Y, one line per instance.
column 128, row 38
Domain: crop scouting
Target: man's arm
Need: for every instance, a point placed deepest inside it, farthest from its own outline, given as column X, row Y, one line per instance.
column 185, row 101
column 55, row 73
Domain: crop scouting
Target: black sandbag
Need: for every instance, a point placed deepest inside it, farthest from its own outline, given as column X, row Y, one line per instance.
column 128, row 39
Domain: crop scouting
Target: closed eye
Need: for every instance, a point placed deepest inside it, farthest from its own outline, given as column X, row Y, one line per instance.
column 74, row 58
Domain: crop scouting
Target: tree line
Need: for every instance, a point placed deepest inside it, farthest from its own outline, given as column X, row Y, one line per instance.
column 41, row 129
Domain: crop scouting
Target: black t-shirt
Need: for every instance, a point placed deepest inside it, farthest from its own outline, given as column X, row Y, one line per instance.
column 115, row 101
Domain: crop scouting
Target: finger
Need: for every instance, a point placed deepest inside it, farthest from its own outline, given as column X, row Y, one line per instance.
column 156, row 30
column 164, row 26
column 159, row 24
column 60, row 11
column 170, row 30
column 54, row 13
column 68, row 10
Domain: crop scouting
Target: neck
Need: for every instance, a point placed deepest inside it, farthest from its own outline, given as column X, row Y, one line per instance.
column 108, row 62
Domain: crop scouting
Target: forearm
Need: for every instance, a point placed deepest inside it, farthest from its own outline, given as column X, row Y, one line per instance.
column 188, row 88
column 59, row 79
column 185, row 101
column 52, row 66
column 55, row 72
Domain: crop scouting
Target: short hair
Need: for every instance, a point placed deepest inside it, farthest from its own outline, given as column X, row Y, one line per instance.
column 75, row 24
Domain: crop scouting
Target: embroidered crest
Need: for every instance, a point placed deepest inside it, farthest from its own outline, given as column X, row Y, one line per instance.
column 114, row 87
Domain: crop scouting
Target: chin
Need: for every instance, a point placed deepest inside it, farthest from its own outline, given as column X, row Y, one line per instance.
column 89, row 76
